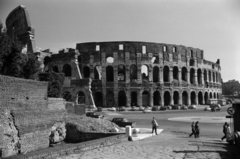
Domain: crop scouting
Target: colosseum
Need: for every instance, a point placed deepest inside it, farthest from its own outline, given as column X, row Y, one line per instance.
column 129, row 73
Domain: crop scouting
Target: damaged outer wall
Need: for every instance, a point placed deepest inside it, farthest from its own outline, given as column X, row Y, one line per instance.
column 203, row 78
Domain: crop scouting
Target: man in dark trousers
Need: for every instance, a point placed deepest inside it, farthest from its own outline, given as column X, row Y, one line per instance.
column 197, row 130
column 193, row 130
column 154, row 125
column 225, row 126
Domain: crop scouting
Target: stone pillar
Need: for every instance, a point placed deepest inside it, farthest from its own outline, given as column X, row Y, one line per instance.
column 150, row 73
column 171, row 100
column 91, row 72
column 195, row 78
column 151, row 97
column 128, row 98
column 116, row 97
column 196, row 99
column 162, row 97
column 161, row 75
column 180, row 98
column 139, row 100
column 180, row 76
column 189, row 98
column 188, row 76
column 203, row 101
column 104, row 96
column 170, row 75
column 203, row 82
column 139, row 74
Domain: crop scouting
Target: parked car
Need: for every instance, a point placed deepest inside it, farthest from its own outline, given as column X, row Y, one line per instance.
column 184, row 107
column 192, row 107
column 174, row 107
column 93, row 115
column 112, row 109
column 147, row 110
column 134, row 108
column 141, row 108
column 163, row 108
column 207, row 109
column 215, row 107
column 121, row 108
column 123, row 122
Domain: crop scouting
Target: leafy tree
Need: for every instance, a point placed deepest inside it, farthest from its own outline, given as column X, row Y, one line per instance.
column 230, row 87
column 12, row 61
column 55, row 83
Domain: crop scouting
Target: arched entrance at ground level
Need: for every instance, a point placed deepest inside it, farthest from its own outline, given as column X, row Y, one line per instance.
column 156, row 98
column 205, row 97
column 98, row 99
column 193, row 98
column 185, row 98
column 167, row 98
column 217, row 96
column 214, row 95
column 134, row 99
column 200, row 98
column 175, row 97
column 121, row 98
column 81, row 97
column 210, row 95
column 110, row 99
column 145, row 98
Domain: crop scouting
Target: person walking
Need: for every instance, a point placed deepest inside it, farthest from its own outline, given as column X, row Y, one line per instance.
column 225, row 130
column 193, row 130
column 229, row 133
column 154, row 125
column 197, row 130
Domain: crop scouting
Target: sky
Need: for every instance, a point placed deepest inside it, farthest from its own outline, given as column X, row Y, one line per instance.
column 210, row 25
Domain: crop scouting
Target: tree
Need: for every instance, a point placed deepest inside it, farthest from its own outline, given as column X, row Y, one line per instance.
column 12, row 61
column 228, row 88
column 55, row 83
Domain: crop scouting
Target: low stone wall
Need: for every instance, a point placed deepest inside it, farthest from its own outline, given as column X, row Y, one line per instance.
column 56, row 103
column 67, row 149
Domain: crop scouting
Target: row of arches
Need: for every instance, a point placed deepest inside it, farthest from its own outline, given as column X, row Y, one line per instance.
column 176, row 98
column 201, row 76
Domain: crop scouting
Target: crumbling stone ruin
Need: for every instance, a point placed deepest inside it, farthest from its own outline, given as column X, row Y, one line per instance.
column 139, row 74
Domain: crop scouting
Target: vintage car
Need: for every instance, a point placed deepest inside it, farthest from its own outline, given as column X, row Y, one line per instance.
column 93, row 115
column 123, row 122
column 192, row 107
column 207, row 109
column 147, row 110
column 215, row 107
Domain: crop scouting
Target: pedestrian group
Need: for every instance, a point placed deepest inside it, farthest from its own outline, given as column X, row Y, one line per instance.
column 195, row 130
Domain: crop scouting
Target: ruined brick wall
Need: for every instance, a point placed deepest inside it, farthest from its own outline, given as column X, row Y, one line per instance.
column 26, row 121
column 22, row 94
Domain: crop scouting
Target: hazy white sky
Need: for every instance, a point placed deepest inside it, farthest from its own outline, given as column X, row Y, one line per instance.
column 210, row 25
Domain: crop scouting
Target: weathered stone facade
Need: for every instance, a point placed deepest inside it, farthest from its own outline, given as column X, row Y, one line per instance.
column 140, row 73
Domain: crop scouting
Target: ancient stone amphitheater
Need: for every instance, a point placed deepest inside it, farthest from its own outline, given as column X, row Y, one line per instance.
column 128, row 73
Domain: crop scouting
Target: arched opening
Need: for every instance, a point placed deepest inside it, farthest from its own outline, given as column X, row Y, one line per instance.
column 205, row 76
column 121, row 72
column 99, row 99
column 67, row 70
column 175, row 73
column 80, row 63
column 145, row 98
column 217, row 96
column 200, row 98
column 110, row 59
column 191, row 62
column 133, row 72
column 67, row 96
column 193, row 98
column 144, row 72
column 175, row 97
column 110, row 99
column 166, row 74
column 121, row 98
column 167, row 98
column 86, row 72
column 192, row 75
column 81, row 98
column 156, row 98
column 210, row 95
column 155, row 74
column 205, row 97
column 184, row 74
column 55, row 69
column 214, row 95
column 209, row 76
column 216, row 77
column 109, row 74
column 185, row 98
column 134, row 99
column 199, row 76
column 98, row 72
